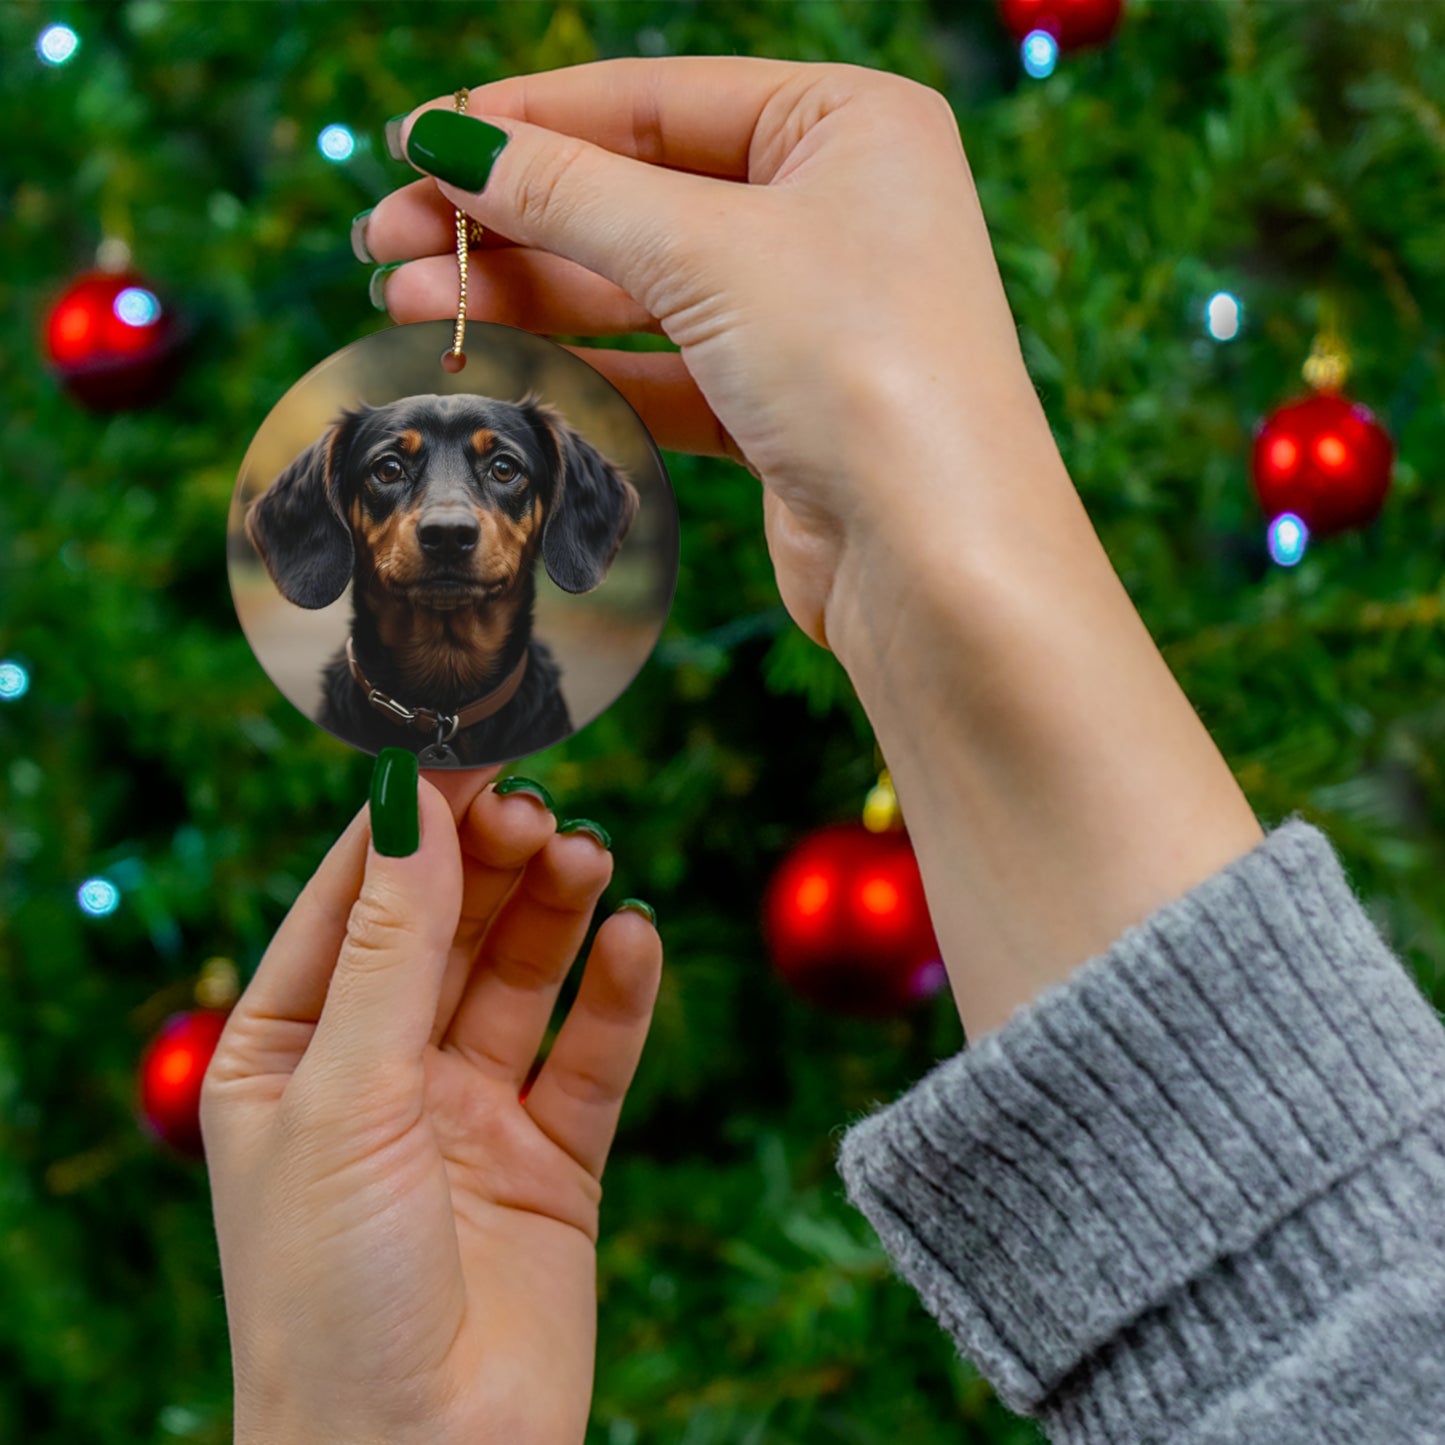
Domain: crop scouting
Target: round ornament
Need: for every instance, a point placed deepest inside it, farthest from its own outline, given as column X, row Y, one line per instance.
column 1324, row 458
column 847, row 924
column 1072, row 23
column 172, row 1070
column 112, row 341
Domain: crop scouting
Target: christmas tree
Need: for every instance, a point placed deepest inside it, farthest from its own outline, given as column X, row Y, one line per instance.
column 1284, row 160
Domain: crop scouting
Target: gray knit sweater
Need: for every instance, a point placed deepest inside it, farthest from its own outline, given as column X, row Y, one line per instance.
column 1197, row 1191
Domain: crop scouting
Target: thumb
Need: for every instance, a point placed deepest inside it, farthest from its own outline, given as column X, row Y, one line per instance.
column 382, row 1000
column 634, row 224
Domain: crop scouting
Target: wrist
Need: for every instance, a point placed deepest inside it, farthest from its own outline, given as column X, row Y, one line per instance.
column 1056, row 782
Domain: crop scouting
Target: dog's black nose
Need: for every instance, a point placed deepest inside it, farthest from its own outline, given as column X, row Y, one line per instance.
column 449, row 534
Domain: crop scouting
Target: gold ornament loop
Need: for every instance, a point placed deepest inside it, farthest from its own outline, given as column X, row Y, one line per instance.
column 469, row 231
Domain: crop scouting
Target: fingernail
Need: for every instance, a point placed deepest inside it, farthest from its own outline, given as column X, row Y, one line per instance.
column 395, row 820
column 359, row 248
column 377, row 287
column 636, row 905
column 532, row 789
column 586, row 825
column 393, row 136
column 455, row 148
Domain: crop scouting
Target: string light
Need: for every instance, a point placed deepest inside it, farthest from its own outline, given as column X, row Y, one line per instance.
column 1288, row 538
column 1040, row 52
column 14, row 681
column 336, row 143
column 98, row 897
column 137, row 307
column 1223, row 316
column 57, row 44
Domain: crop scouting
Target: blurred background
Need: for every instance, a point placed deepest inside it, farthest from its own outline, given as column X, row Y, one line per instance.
column 1181, row 211
column 599, row 639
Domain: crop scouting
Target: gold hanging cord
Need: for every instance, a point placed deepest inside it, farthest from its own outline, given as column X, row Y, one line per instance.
column 468, row 231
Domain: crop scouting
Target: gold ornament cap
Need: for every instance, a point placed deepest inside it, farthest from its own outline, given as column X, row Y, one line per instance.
column 881, row 812
column 219, row 985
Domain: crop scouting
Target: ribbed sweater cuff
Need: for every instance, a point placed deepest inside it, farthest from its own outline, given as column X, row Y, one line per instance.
column 1168, row 1151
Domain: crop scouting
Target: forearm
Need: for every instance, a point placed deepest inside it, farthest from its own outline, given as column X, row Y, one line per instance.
column 1056, row 782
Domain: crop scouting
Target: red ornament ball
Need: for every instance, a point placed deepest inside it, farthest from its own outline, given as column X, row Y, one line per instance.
column 847, row 924
column 171, row 1071
column 1324, row 458
column 112, row 341
column 1073, row 23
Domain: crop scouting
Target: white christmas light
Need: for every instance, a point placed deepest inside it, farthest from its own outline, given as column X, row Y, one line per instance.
column 137, row 307
column 1288, row 538
column 336, row 143
column 14, row 681
column 1040, row 53
column 1223, row 316
column 98, row 897
column 57, row 44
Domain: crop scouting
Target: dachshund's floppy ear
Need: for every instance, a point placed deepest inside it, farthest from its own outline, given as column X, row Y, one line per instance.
column 593, row 504
column 296, row 525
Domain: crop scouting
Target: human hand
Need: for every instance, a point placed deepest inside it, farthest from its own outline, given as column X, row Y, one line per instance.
column 841, row 321
column 408, row 1247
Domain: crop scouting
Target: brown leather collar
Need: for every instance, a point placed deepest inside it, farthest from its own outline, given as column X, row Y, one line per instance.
column 426, row 720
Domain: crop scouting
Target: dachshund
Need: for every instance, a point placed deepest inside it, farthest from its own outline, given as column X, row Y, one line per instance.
column 436, row 509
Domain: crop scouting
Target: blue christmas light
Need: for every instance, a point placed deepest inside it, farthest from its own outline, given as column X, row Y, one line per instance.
column 14, row 681
column 1288, row 538
column 57, row 44
column 1040, row 53
column 98, row 897
column 137, row 307
column 1223, row 316
column 336, row 143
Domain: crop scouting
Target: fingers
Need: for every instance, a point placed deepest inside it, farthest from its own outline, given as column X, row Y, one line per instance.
column 623, row 219
column 518, row 287
column 690, row 113
column 500, row 834
column 417, row 220
column 382, row 998
column 502, row 1015
column 577, row 1098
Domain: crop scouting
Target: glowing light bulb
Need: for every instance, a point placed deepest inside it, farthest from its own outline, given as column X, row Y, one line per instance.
column 137, row 307
column 57, row 44
column 336, row 143
column 1040, row 52
column 1223, row 316
column 1288, row 537
column 14, row 681
column 98, row 897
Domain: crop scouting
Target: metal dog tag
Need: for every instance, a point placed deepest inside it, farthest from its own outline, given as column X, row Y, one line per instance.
column 437, row 755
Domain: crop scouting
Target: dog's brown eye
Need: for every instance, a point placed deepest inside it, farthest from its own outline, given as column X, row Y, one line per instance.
column 504, row 469
column 388, row 469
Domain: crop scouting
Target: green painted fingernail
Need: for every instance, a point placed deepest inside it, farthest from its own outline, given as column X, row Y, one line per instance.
column 455, row 148
column 359, row 248
column 395, row 812
column 586, row 825
column 532, row 789
column 392, row 132
column 377, row 289
column 636, row 905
